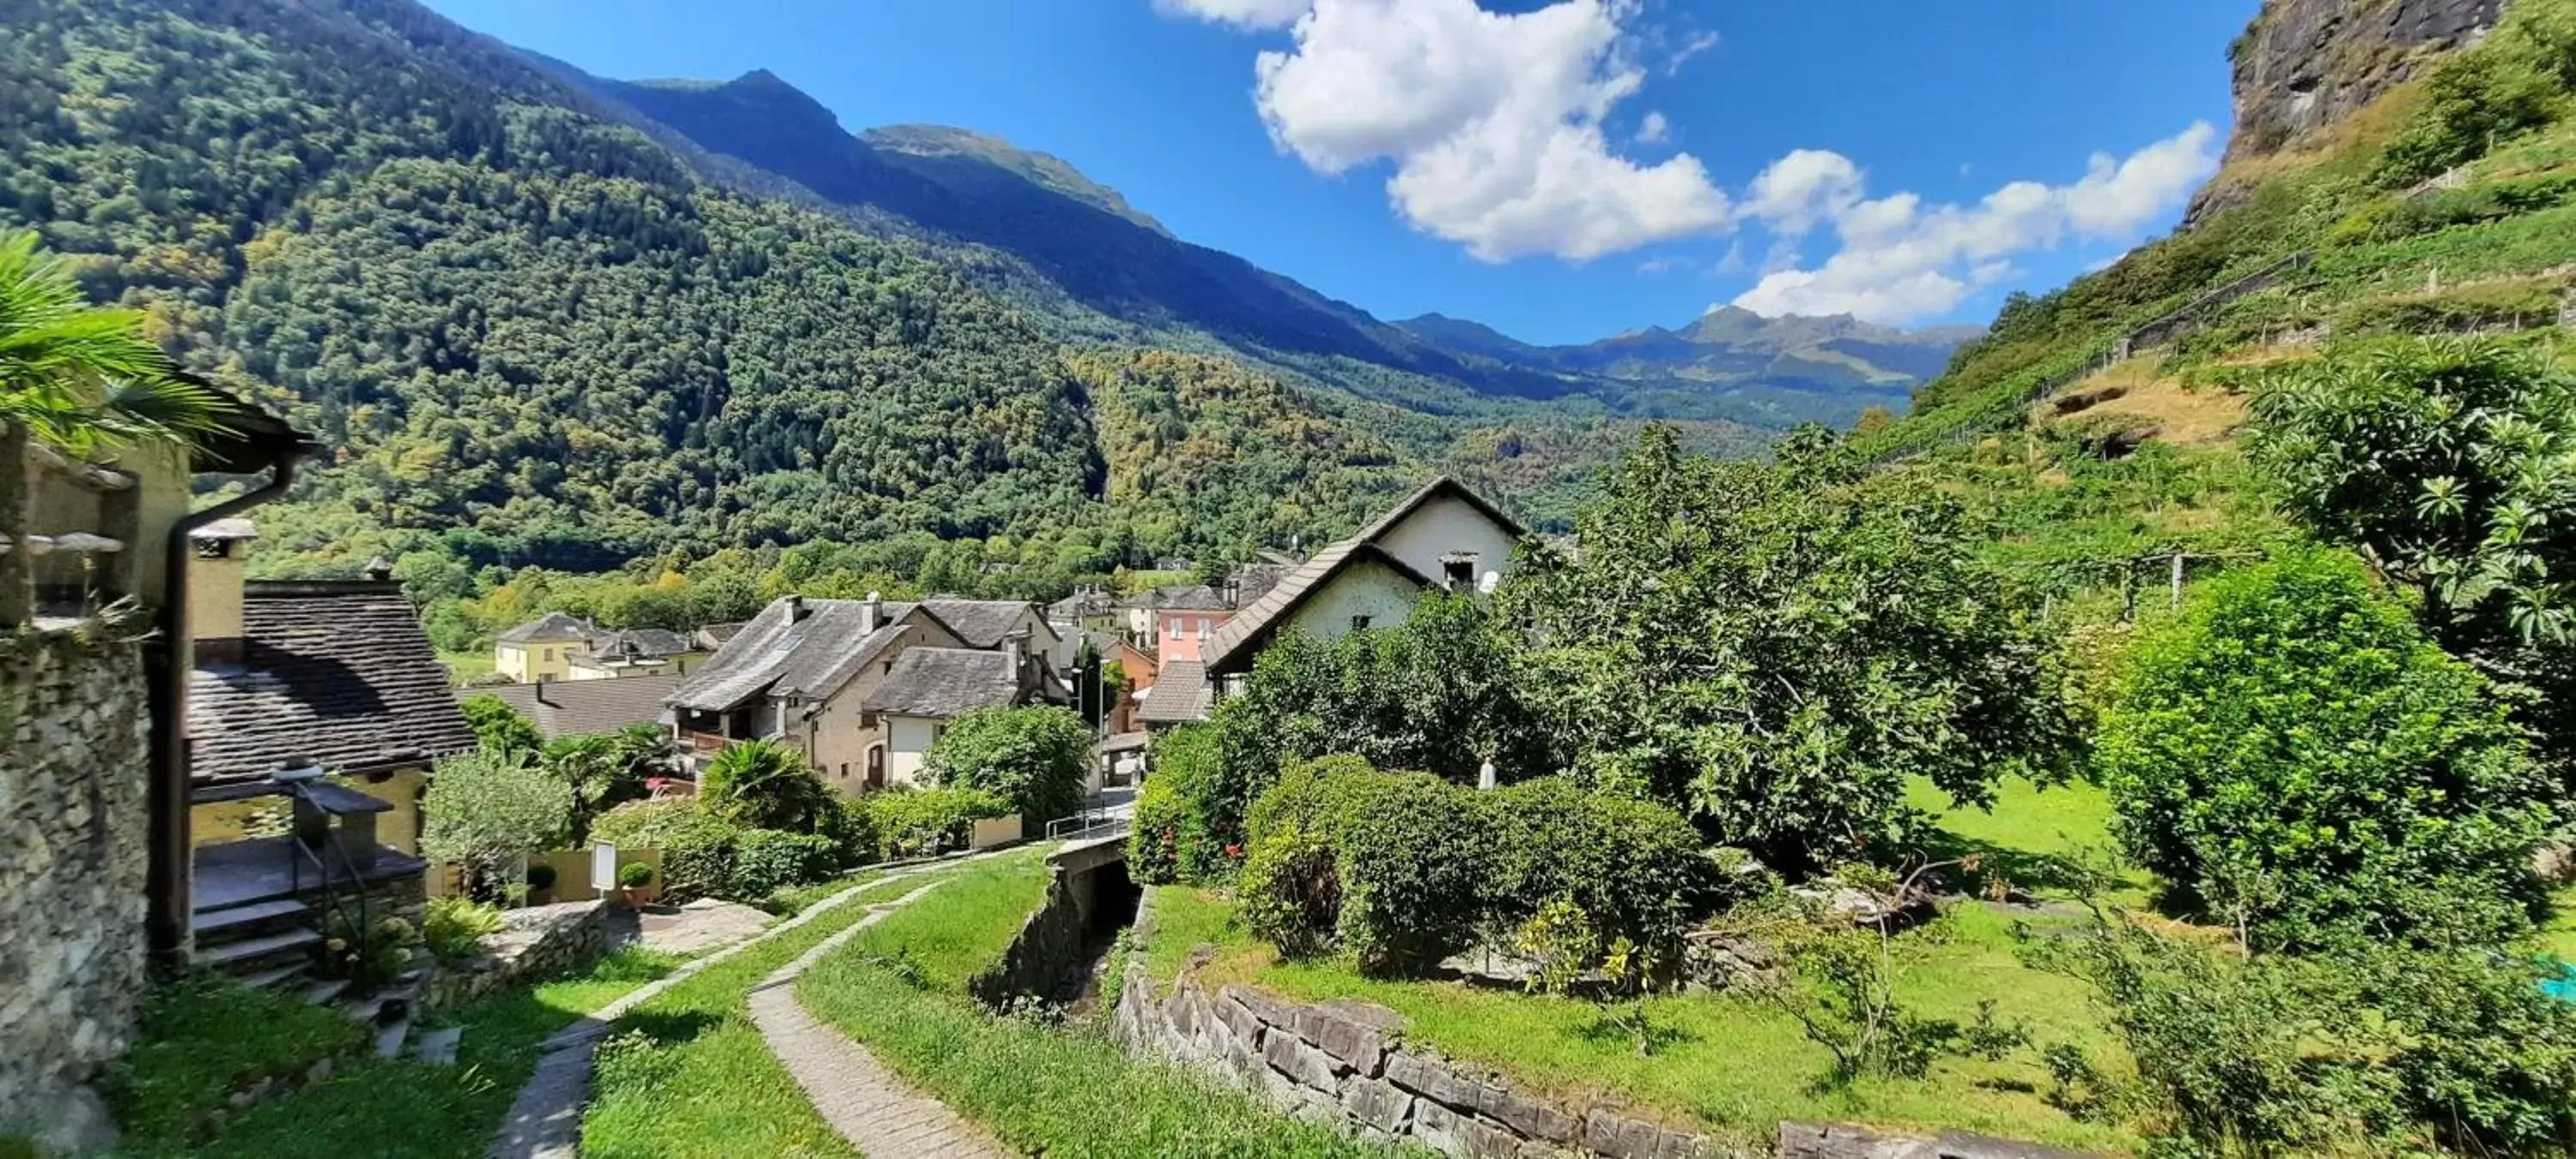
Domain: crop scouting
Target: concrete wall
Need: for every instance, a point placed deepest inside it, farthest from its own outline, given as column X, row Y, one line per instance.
column 73, row 782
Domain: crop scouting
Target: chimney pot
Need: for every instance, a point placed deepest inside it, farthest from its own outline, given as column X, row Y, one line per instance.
column 795, row 607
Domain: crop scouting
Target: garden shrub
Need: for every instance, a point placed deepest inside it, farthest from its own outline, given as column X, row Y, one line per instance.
column 1404, row 869
column 765, row 785
column 2295, row 755
column 1173, row 836
column 766, row 860
column 922, row 822
column 1036, row 758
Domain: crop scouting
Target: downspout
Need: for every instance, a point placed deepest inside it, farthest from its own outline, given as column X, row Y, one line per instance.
column 167, row 886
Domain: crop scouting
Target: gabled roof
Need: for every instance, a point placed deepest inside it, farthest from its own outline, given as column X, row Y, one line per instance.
column 810, row 656
column 642, row 643
column 1229, row 646
column 333, row 673
column 945, row 682
column 577, row 707
column 1178, row 597
column 980, row 623
column 1180, row 694
column 551, row 626
column 1080, row 604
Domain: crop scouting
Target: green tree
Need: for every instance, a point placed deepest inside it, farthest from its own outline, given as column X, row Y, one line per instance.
column 2446, row 462
column 76, row 375
column 500, row 728
column 489, row 810
column 1775, row 648
column 765, row 785
column 2296, row 755
column 605, row 769
column 1037, row 758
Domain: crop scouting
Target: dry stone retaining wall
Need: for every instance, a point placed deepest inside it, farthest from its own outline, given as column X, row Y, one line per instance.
column 539, row 942
column 73, row 780
column 1346, row 1064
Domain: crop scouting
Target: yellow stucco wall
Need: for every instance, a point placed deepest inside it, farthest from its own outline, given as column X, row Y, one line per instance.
column 527, row 663
column 398, row 827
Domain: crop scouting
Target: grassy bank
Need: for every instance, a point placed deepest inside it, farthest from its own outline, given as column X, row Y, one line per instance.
column 373, row 1106
column 1068, row 1092
column 687, row 1073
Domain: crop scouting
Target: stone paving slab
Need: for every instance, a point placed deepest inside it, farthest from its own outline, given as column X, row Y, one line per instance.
column 869, row 1105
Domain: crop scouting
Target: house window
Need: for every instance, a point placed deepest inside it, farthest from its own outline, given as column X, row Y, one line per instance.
column 1458, row 570
column 1359, row 623
column 545, row 653
column 845, row 770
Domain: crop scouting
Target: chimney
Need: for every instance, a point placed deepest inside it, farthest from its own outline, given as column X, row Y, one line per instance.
column 795, row 607
column 872, row 613
column 541, row 691
column 378, row 570
column 215, row 589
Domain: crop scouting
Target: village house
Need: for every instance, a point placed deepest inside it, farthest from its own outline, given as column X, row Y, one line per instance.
column 928, row 687
column 558, row 646
column 1173, row 619
column 804, row 672
column 1442, row 537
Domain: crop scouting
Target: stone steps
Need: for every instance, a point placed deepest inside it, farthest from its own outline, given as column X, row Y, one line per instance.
column 231, row 956
column 210, row 921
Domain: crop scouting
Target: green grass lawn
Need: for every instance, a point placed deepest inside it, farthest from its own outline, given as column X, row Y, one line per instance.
column 2040, row 839
column 395, row 1107
column 465, row 666
column 687, row 1073
column 1064, row 1091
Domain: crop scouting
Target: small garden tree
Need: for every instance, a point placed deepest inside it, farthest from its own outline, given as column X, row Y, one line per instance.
column 500, row 728
column 2293, row 752
column 487, row 811
column 605, row 769
column 1033, row 757
column 765, row 785
column 1775, row 648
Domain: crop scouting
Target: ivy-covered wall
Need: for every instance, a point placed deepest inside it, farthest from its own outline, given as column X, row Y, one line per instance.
column 73, row 779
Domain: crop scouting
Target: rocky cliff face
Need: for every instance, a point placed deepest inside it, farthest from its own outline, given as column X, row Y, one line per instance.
column 2303, row 64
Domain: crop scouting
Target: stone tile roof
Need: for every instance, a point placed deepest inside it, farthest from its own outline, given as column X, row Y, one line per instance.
column 1080, row 604
column 551, row 626
column 1254, row 580
column 1178, row 597
column 980, row 623
column 713, row 636
column 812, row 655
column 1229, row 645
column 945, row 682
column 576, row 707
column 1180, row 694
column 642, row 643
column 337, row 673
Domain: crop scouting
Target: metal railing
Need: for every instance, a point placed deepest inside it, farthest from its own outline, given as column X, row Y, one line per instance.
column 1092, row 821
column 335, row 906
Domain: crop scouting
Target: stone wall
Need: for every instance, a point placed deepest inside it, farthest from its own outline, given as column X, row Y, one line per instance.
column 1346, row 1064
column 539, row 942
column 1049, row 956
column 73, row 781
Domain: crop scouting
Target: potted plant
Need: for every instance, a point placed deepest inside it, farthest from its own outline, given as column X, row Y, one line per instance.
column 632, row 880
column 541, row 884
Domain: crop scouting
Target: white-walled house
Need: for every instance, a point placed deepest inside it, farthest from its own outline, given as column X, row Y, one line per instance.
column 1443, row 536
column 929, row 687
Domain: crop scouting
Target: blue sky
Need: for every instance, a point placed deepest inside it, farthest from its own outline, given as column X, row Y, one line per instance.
column 1911, row 162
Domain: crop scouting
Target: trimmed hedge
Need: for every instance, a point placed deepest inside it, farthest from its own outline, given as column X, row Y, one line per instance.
column 1405, row 869
column 912, row 822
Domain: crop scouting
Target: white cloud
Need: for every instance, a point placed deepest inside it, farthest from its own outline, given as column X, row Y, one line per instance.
column 1654, row 130
column 1241, row 13
column 1663, row 265
column 1901, row 260
column 1802, row 190
column 1697, row 44
column 1492, row 122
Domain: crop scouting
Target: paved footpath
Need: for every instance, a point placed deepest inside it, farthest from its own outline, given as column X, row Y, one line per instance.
column 545, row 1120
column 876, row 1111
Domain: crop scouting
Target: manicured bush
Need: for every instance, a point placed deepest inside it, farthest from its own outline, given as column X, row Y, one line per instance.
column 1632, row 866
column 1036, row 758
column 766, row 860
column 2296, row 755
column 921, row 822
column 634, row 875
